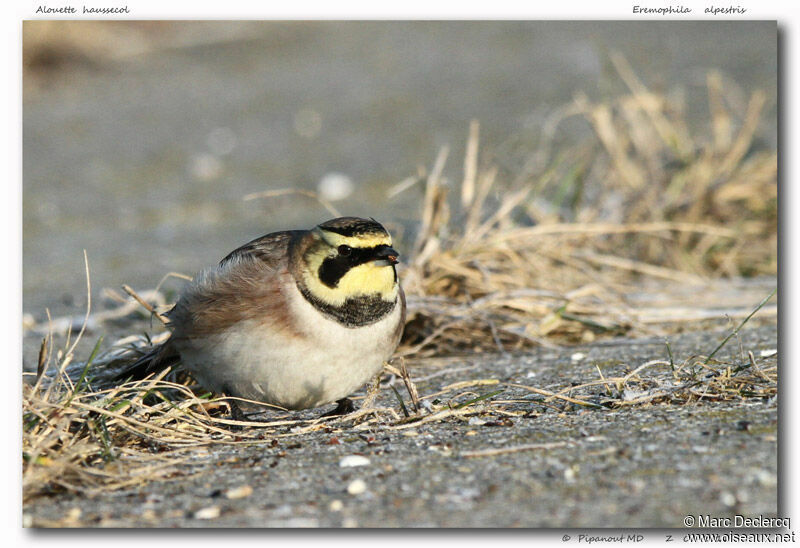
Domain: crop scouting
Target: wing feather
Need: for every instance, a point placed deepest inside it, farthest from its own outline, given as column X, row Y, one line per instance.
column 249, row 283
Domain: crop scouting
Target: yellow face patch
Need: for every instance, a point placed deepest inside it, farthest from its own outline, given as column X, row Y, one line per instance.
column 368, row 278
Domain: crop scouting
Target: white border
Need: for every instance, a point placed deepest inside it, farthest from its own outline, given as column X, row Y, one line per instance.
column 412, row 9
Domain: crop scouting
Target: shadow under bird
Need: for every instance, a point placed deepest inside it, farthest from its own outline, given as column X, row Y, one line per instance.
column 296, row 319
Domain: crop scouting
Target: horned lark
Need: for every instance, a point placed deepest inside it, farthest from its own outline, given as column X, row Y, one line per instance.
column 296, row 319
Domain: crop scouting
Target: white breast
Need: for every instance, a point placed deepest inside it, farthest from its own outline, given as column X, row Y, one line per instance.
column 329, row 362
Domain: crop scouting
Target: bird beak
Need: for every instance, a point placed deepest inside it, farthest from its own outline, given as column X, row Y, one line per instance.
column 386, row 256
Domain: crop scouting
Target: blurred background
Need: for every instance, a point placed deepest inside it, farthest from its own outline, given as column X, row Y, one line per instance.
column 141, row 139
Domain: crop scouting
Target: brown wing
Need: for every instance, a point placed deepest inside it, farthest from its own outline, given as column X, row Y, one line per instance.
column 269, row 249
column 249, row 284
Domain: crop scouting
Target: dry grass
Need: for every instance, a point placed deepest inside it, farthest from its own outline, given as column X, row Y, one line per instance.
column 89, row 441
column 537, row 256
column 501, row 267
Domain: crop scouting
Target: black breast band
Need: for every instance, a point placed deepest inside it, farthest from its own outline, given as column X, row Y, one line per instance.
column 355, row 312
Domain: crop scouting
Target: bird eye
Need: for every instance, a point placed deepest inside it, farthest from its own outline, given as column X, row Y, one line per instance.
column 344, row 250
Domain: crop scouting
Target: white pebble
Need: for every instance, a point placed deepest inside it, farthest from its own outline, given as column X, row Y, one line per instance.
column 239, row 492
column 357, row 487
column 577, row 356
column 336, row 506
column 207, row 513
column 727, row 498
column 768, row 353
column 335, row 186
column 763, row 477
column 353, row 460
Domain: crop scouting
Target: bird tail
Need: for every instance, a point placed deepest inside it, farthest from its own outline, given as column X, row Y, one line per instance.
column 117, row 367
column 154, row 360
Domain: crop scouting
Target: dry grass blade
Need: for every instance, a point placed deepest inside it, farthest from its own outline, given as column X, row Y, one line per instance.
column 470, row 166
column 287, row 191
column 744, row 321
column 551, row 395
column 147, row 306
column 513, row 449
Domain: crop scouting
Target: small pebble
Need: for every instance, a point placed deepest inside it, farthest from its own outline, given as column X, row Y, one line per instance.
column 353, row 460
column 441, row 449
column 768, row 353
column 357, row 487
column 727, row 498
column 239, row 492
column 763, row 477
column 336, row 506
column 577, row 356
column 335, row 186
column 211, row 512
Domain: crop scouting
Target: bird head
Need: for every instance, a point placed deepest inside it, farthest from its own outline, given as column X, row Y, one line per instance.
column 350, row 257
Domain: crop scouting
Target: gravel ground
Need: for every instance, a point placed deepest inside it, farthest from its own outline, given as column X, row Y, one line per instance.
column 643, row 466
